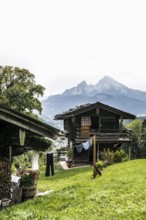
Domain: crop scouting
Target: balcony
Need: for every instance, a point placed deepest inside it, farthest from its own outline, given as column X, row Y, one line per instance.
column 110, row 136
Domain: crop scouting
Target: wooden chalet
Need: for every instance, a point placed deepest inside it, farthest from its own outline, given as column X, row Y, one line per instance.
column 97, row 120
column 16, row 133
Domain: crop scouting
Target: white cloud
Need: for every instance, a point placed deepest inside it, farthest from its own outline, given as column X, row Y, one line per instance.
column 65, row 42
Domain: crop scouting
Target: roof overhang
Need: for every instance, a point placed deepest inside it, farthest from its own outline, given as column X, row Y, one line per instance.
column 85, row 108
column 28, row 123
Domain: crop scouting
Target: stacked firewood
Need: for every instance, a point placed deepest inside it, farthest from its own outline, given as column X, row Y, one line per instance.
column 5, row 178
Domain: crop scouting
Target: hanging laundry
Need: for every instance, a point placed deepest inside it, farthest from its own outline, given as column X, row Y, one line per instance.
column 79, row 147
column 90, row 141
column 86, row 145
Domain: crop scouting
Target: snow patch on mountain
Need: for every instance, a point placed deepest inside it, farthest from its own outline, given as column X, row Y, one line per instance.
column 104, row 85
column 106, row 90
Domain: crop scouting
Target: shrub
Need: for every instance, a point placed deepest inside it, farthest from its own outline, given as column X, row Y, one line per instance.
column 69, row 154
column 106, row 163
column 108, row 155
column 97, row 168
column 99, row 164
column 111, row 156
column 119, row 155
column 126, row 158
column 17, row 165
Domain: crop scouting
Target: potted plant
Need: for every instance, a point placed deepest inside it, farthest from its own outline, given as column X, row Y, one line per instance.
column 28, row 181
column 27, row 177
column 69, row 158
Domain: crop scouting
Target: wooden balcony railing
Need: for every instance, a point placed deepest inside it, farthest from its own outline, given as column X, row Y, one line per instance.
column 122, row 135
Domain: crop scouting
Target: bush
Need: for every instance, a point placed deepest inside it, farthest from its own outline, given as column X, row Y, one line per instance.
column 108, row 155
column 23, row 161
column 119, row 156
column 97, row 168
column 17, row 165
column 69, row 154
column 106, row 163
column 99, row 164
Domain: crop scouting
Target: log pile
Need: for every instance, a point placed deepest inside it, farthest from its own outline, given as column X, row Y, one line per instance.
column 5, row 178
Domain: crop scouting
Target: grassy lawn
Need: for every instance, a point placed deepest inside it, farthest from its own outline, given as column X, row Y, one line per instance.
column 120, row 193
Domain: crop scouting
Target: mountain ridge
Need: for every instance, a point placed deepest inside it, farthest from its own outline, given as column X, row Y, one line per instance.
column 106, row 90
column 104, row 85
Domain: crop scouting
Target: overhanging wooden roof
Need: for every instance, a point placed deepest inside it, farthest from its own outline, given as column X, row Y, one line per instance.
column 87, row 107
column 28, row 123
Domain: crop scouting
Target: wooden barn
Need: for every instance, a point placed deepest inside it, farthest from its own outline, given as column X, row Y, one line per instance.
column 98, row 120
column 17, row 132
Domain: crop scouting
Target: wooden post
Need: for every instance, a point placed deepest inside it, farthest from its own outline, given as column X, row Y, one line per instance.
column 121, row 122
column 94, row 156
column 22, row 136
column 129, row 152
column 88, row 155
column 98, row 151
column 10, row 153
column 35, row 160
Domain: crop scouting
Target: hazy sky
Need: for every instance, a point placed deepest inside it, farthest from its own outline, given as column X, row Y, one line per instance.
column 64, row 42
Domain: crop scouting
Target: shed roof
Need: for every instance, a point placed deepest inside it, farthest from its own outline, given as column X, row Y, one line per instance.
column 87, row 107
column 26, row 122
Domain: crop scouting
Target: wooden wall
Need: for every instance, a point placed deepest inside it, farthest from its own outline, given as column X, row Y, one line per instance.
column 104, row 121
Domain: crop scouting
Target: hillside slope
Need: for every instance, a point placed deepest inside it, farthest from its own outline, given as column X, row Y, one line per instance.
column 118, row 194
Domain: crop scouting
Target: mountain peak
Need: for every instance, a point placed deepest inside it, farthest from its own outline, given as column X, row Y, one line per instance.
column 108, row 78
column 104, row 85
column 82, row 84
column 106, row 90
column 107, row 83
column 80, row 89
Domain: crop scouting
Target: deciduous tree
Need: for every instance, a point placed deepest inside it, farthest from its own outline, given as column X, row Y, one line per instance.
column 19, row 90
column 136, row 130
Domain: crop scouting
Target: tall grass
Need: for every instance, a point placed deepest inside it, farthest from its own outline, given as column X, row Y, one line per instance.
column 120, row 193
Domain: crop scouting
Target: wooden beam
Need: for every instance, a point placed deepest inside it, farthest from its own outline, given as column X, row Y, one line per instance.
column 98, row 151
column 28, row 126
column 129, row 152
column 94, row 156
column 10, row 153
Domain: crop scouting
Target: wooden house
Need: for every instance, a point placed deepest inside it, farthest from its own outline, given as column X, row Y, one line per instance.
column 98, row 120
column 16, row 132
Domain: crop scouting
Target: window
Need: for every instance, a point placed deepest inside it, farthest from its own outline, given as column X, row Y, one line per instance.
column 85, row 121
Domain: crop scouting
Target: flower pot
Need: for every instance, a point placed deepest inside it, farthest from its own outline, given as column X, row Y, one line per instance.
column 69, row 164
column 28, row 192
column 5, row 202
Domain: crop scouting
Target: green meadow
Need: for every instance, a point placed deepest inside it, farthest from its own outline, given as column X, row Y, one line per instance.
column 120, row 193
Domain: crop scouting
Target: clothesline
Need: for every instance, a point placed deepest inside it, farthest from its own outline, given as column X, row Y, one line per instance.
column 84, row 145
